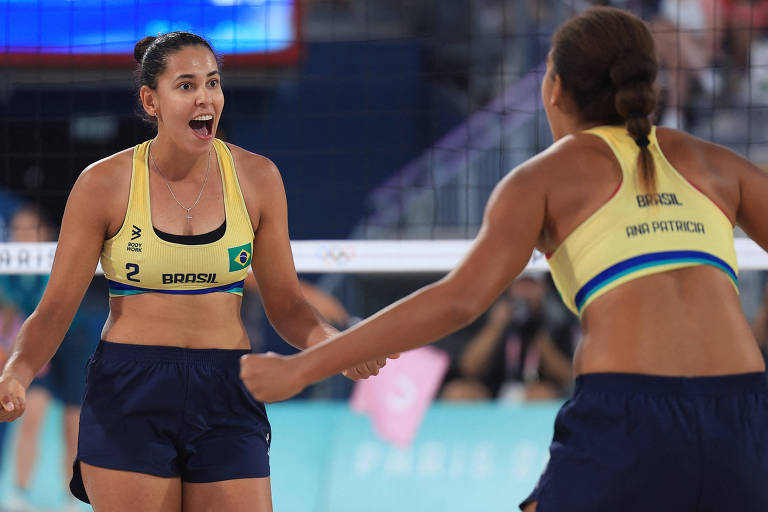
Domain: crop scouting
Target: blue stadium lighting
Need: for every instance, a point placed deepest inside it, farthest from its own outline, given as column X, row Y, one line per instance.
column 96, row 27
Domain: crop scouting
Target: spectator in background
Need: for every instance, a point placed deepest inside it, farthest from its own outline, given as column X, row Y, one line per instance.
column 523, row 351
column 745, row 23
column 688, row 36
column 9, row 202
column 745, row 20
column 63, row 379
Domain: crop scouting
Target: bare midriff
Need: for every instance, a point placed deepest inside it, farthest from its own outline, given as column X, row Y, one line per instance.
column 685, row 322
column 210, row 320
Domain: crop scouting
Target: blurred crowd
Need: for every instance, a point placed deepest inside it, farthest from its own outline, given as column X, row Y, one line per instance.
column 713, row 53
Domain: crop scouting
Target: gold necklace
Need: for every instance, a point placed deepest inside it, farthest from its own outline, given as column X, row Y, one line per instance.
column 188, row 216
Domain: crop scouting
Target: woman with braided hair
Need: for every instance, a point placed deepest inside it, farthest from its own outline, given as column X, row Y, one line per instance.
column 670, row 405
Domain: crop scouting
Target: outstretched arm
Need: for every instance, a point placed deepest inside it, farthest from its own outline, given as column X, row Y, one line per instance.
column 513, row 221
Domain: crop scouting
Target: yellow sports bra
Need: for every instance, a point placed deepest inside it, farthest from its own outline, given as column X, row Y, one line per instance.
column 137, row 260
column 635, row 234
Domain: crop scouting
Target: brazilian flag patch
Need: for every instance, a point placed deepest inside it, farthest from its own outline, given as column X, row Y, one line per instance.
column 239, row 257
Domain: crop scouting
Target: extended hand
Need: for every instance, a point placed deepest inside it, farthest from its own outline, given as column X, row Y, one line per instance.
column 270, row 377
column 368, row 368
column 12, row 398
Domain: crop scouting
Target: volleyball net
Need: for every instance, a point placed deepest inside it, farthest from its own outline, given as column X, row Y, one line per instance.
column 351, row 256
column 391, row 122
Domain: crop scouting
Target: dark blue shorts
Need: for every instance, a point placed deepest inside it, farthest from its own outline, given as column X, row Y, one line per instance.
column 170, row 412
column 638, row 443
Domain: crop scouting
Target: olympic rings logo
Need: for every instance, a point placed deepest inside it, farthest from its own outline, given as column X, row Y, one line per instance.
column 336, row 254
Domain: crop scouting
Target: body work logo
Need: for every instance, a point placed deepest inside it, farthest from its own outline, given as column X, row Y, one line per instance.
column 135, row 233
column 239, row 257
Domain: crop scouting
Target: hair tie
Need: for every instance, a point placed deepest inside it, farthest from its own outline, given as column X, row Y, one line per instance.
column 635, row 114
column 643, row 142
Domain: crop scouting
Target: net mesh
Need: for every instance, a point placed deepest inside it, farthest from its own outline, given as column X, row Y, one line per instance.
column 391, row 122
column 395, row 119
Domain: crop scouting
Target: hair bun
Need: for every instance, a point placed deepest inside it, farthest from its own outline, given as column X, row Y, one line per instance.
column 141, row 48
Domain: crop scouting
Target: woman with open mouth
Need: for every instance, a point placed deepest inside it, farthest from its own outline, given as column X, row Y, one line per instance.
column 177, row 221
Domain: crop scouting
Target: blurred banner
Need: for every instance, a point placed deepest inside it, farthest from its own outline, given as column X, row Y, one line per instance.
column 464, row 457
column 326, row 458
column 397, row 399
column 60, row 32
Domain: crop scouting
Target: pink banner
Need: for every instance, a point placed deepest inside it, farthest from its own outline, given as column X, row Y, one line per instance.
column 400, row 395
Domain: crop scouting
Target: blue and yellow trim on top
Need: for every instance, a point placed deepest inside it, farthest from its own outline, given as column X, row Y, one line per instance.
column 121, row 289
column 643, row 261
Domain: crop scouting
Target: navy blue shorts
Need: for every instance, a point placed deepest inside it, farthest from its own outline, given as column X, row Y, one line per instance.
column 639, row 442
column 170, row 412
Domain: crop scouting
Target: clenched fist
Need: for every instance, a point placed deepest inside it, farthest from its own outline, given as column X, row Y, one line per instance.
column 12, row 398
column 271, row 377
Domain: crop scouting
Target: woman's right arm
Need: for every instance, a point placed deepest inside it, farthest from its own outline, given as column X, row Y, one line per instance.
column 513, row 221
column 82, row 234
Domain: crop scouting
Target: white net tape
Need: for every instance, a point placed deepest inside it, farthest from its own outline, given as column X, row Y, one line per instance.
column 351, row 256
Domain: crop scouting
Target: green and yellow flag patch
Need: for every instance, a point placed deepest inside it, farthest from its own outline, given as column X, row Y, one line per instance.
column 239, row 257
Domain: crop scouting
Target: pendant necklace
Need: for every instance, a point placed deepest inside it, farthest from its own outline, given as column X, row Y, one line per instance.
column 188, row 216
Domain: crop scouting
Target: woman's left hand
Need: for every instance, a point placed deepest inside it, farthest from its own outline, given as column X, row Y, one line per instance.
column 367, row 369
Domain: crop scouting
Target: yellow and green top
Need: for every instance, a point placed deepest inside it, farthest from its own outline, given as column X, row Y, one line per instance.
column 137, row 260
column 635, row 233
